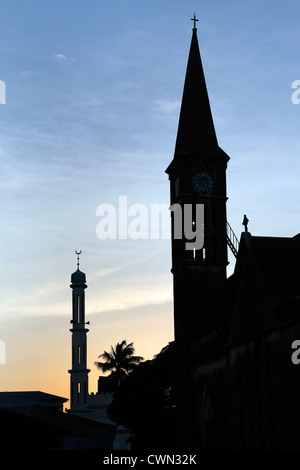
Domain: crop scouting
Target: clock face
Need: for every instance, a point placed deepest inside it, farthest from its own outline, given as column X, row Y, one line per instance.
column 203, row 182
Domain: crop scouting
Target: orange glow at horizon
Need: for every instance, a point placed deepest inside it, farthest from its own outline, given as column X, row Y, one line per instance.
column 38, row 349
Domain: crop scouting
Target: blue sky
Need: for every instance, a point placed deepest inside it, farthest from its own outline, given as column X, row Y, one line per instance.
column 93, row 93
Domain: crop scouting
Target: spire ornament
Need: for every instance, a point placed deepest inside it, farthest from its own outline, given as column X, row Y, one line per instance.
column 78, row 253
column 245, row 223
column 194, row 20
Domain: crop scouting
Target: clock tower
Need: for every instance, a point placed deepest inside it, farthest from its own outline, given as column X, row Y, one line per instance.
column 197, row 177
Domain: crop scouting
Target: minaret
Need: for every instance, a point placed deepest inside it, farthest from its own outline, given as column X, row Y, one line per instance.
column 197, row 177
column 79, row 371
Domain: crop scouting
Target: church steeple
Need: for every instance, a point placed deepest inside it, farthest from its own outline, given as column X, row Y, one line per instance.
column 196, row 135
column 196, row 129
column 197, row 172
column 197, row 177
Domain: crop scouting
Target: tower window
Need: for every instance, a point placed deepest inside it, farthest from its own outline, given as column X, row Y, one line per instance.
column 78, row 308
column 79, row 354
column 78, row 392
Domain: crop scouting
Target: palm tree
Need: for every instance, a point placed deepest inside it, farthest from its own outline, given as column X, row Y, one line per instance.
column 120, row 361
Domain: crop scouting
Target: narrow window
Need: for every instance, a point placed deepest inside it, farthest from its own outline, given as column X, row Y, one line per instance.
column 78, row 308
column 78, row 392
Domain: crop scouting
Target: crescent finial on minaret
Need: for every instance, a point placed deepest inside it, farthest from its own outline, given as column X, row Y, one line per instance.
column 78, row 253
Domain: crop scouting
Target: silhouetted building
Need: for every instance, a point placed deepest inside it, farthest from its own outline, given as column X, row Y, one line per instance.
column 107, row 384
column 237, row 386
column 79, row 372
column 34, row 421
column 27, row 399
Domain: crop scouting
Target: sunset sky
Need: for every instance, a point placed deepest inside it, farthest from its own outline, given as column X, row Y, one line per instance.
column 93, row 93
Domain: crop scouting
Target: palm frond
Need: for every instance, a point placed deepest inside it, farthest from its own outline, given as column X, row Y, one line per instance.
column 106, row 356
column 104, row 366
column 120, row 360
column 136, row 359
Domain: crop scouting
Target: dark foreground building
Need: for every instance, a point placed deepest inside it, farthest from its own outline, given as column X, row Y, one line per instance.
column 238, row 387
column 35, row 421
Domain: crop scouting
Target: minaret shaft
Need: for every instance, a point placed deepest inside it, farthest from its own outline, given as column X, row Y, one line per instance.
column 79, row 371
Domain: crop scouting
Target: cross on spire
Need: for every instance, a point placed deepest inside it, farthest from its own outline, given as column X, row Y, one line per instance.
column 78, row 253
column 194, row 20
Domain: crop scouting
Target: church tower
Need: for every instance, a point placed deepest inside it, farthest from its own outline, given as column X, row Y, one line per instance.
column 79, row 371
column 197, row 177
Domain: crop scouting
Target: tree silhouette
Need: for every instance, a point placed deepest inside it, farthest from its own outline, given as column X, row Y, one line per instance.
column 120, row 361
column 145, row 402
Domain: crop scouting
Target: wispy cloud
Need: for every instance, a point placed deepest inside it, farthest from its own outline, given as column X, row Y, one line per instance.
column 61, row 58
column 166, row 106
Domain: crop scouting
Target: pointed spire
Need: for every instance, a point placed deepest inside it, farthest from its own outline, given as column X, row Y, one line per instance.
column 196, row 133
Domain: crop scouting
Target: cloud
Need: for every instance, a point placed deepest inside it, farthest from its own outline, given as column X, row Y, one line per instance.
column 61, row 58
column 166, row 106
